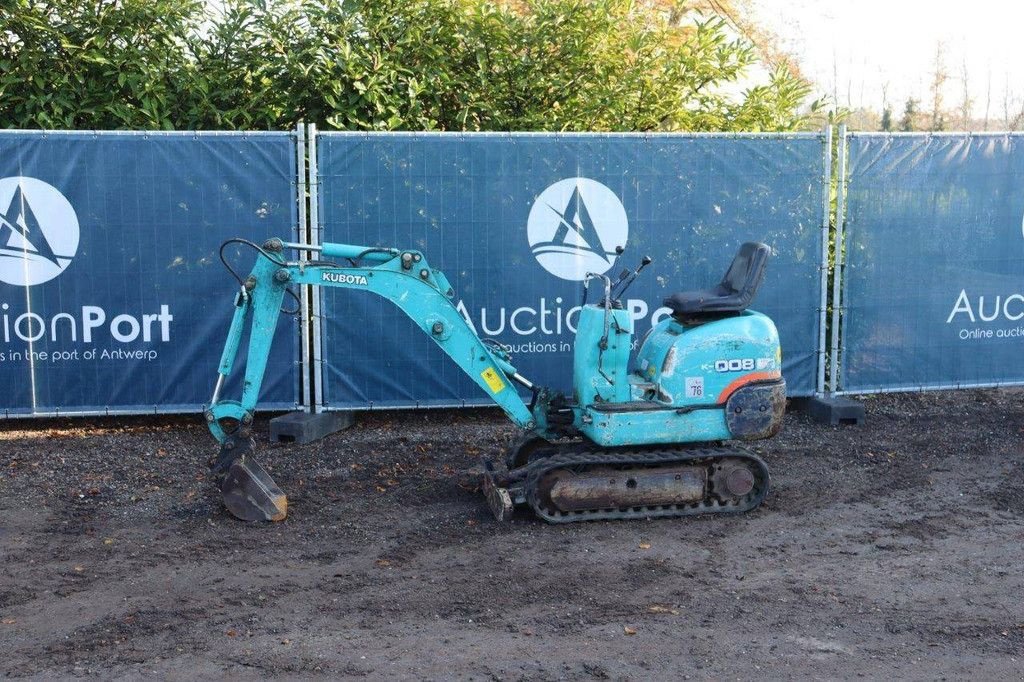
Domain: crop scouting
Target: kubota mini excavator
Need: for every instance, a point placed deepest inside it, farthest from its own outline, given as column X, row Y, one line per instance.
column 645, row 442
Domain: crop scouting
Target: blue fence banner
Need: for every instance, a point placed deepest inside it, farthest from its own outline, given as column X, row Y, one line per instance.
column 516, row 220
column 112, row 295
column 933, row 286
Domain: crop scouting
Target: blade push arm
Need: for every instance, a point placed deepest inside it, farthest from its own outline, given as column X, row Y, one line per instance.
column 402, row 277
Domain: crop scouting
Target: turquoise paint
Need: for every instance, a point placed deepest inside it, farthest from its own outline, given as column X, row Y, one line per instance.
column 679, row 367
column 371, row 254
column 602, row 375
column 422, row 293
column 227, row 358
column 654, row 427
column 673, row 353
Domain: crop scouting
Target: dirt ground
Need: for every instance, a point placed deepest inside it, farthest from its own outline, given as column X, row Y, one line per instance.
column 888, row 549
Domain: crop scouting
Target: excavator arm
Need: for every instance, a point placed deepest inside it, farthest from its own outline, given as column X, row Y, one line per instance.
column 401, row 276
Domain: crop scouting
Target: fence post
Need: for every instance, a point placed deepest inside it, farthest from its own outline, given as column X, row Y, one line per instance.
column 840, row 261
column 302, row 235
column 826, row 406
column 316, row 238
column 315, row 422
column 826, row 212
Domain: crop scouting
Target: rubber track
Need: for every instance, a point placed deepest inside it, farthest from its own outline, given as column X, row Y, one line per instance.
column 642, row 458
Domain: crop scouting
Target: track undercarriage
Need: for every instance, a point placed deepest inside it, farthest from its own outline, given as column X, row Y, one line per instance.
column 577, row 481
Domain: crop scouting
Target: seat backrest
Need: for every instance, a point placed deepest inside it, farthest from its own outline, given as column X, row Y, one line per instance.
column 746, row 272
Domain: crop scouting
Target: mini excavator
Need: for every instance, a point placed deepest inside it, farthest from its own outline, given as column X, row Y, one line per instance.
column 659, row 439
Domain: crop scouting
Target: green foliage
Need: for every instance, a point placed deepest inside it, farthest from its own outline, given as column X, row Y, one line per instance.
column 605, row 65
column 887, row 119
column 93, row 63
column 910, row 114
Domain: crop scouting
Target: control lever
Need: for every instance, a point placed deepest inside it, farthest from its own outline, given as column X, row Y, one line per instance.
column 644, row 262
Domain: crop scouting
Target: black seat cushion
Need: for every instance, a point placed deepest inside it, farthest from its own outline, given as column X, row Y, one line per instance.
column 733, row 294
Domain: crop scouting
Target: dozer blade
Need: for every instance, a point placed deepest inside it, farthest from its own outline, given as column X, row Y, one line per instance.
column 498, row 499
column 248, row 490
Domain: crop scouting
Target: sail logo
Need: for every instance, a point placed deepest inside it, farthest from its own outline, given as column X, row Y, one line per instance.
column 39, row 231
column 575, row 226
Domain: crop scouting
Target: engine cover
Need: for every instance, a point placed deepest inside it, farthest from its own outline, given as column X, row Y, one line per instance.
column 681, row 365
column 715, row 381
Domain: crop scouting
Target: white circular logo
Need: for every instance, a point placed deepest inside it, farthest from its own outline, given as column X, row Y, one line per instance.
column 574, row 228
column 38, row 231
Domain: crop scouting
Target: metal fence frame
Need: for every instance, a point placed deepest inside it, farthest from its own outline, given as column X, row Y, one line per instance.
column 302, row 377
column 316, row 405
column 839, row 299
column 825, row 136
column 310, row 379
column 298, row 184
column 839, row 262
column 826, row 217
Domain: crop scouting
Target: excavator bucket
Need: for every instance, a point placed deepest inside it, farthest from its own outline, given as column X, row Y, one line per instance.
column 248, row 491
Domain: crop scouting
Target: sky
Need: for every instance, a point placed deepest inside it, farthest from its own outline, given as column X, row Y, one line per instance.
column 854, row 49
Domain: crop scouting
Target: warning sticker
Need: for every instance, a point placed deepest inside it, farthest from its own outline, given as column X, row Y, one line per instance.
column 493, row 380
column 694, row 387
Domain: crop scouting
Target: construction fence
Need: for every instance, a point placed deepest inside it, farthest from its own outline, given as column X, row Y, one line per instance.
column 897, row 259
column 113, row 298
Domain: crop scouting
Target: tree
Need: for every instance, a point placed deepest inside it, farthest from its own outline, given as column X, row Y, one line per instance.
column 966, row 101
column 95, row 63
column 939, row 78
column 887, row 119
column 382, row 65
column 908, row 122
column 988, row 97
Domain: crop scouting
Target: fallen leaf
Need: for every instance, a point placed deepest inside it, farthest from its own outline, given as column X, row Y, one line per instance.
column 79, row 569
column 230, row 633
column 657, row 608
column 629, row 631
column 645, row 545
column 383, row 562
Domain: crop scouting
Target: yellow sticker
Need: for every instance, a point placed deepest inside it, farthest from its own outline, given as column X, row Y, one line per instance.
column 493, row 380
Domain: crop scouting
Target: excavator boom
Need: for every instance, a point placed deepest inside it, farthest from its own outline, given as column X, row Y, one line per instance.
column 401, row 276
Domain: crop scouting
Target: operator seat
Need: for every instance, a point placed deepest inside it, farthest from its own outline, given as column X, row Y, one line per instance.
column 733, row 294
